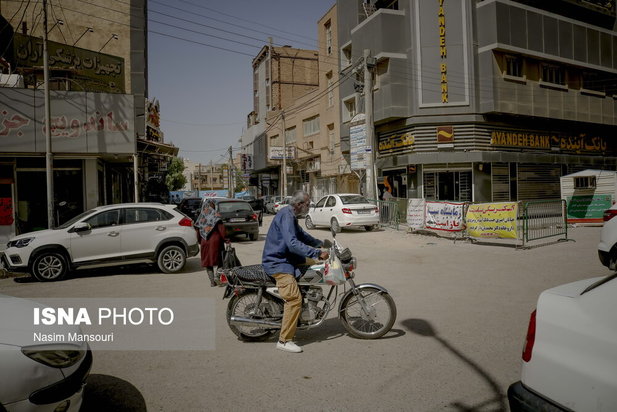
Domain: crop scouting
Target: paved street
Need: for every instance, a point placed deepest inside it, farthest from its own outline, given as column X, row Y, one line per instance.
column 462, row 317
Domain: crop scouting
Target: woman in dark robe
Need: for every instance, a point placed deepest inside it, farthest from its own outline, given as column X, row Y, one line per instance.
column 212, row 238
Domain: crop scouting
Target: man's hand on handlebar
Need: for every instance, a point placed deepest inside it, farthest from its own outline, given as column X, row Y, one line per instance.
column 324, row 255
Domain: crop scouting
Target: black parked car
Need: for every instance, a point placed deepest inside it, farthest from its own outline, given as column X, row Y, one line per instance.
column 238, row 217
column 191, row 206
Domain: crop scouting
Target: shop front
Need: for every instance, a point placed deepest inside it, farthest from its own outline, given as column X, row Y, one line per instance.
column 481, row 162
column 92, row 147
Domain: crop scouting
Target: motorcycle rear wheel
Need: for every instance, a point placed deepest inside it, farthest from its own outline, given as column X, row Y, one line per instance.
column 243, row 305
column 358, row 323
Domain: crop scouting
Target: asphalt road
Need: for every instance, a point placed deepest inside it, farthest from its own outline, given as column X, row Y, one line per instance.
column 463, row 310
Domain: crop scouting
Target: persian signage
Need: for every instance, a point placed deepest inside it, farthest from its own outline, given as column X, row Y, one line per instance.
column 492, row 220
column 93, row 71
column 276, row 152
column 565, row 143
column 446, row 216
column 396, row 142
column 588, row 207
column 358, row 149
column 80, row 122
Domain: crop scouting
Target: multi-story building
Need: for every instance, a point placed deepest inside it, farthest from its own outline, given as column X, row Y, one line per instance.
column 98, row 89
column 280, row 76
column 488, row 100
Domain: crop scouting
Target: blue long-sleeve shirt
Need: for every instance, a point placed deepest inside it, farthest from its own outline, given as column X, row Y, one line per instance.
column 287, row 245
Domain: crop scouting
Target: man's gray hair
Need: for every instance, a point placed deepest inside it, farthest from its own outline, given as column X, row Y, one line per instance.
column 299, row 196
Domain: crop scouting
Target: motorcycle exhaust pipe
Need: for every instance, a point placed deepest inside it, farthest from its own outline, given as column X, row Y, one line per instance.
column 239, row 320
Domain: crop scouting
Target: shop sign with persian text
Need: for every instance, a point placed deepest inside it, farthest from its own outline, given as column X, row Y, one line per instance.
column 581, row 143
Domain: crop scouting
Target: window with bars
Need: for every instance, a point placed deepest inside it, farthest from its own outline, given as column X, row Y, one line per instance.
column 290, row 135
column 330, row 91
column 514, row 66
column 328, row 28
column 553, row 74
column 585, row 182
column 349, row 109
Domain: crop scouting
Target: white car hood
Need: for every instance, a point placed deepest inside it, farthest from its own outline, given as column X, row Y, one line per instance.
column 17, row 322
column 37, row 234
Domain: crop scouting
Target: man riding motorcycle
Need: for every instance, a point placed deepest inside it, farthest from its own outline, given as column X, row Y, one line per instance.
column 287, row 246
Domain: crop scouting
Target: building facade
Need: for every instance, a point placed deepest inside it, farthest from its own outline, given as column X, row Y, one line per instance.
column 98, row 87
column 490, row 100
column 280, row 76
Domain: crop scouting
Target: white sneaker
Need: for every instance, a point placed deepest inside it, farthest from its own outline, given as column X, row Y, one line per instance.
column 288, row 346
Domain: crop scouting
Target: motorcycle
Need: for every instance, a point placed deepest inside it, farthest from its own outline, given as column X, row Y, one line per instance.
column 255, row 309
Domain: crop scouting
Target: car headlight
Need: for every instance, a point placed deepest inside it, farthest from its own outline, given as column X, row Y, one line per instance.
column 56, row 358
column 20, row 242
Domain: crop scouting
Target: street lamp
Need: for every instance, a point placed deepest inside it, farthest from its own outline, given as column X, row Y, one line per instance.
column 113, row 37
column 57, row 23
column 88, row 30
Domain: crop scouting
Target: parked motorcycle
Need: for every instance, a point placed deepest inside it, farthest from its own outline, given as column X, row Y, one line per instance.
column 255, row 310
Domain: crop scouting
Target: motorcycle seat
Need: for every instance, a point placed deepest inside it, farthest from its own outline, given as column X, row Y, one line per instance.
column 257, row 274
column 251, row 273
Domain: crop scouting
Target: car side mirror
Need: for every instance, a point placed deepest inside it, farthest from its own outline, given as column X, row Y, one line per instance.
column 81, row 227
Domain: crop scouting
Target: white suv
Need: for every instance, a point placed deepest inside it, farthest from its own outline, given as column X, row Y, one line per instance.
column 570, row 354
column 607, row 249
column 110, row 235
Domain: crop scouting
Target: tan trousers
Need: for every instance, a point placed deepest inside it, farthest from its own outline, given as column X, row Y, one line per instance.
column 288, row 289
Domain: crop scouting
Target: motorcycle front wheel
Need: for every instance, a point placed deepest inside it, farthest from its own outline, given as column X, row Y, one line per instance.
column 245, row 305
column 370, row 320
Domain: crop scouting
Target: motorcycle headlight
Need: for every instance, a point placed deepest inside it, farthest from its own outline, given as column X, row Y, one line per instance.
column 56, row 358
column 20, row 242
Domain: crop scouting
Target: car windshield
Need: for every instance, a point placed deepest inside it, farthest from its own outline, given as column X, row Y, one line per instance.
column 353, row 199
column 193, row 203
column 226, row 207
column 75, row 219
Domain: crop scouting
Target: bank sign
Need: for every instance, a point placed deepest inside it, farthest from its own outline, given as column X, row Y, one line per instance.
column 581, row 143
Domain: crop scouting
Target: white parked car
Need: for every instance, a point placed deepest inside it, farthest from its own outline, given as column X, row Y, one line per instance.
column 110, row 235
column 570, row 354
column 343, row 210
column 607, row 249
column 38, row 376
column 278, row 205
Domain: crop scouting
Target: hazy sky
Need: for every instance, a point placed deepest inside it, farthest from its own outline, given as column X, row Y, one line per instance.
column 205, row 93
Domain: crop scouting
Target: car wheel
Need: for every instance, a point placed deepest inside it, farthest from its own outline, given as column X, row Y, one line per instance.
column 369, row 227
column 253, row 236
column 49, row 266
column 171, row 259
column 335, row 226
column 308, row 222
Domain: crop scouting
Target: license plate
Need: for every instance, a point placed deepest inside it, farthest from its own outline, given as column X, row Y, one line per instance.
column 237, row 219
column 364, row 212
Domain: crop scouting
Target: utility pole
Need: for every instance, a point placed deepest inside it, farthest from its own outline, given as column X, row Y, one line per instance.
column 371, row 192
column 231, row 168
column 284, row 168
column 49, row 171
column 211, row 181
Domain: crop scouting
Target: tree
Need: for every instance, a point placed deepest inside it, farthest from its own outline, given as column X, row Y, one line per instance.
column 241, row 183
column 175, row 179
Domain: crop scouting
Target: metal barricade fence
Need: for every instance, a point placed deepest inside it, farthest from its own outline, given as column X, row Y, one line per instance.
column 544, row 218
column 388, row 213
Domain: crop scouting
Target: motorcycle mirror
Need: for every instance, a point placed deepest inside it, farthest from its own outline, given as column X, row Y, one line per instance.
column 333, row 232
